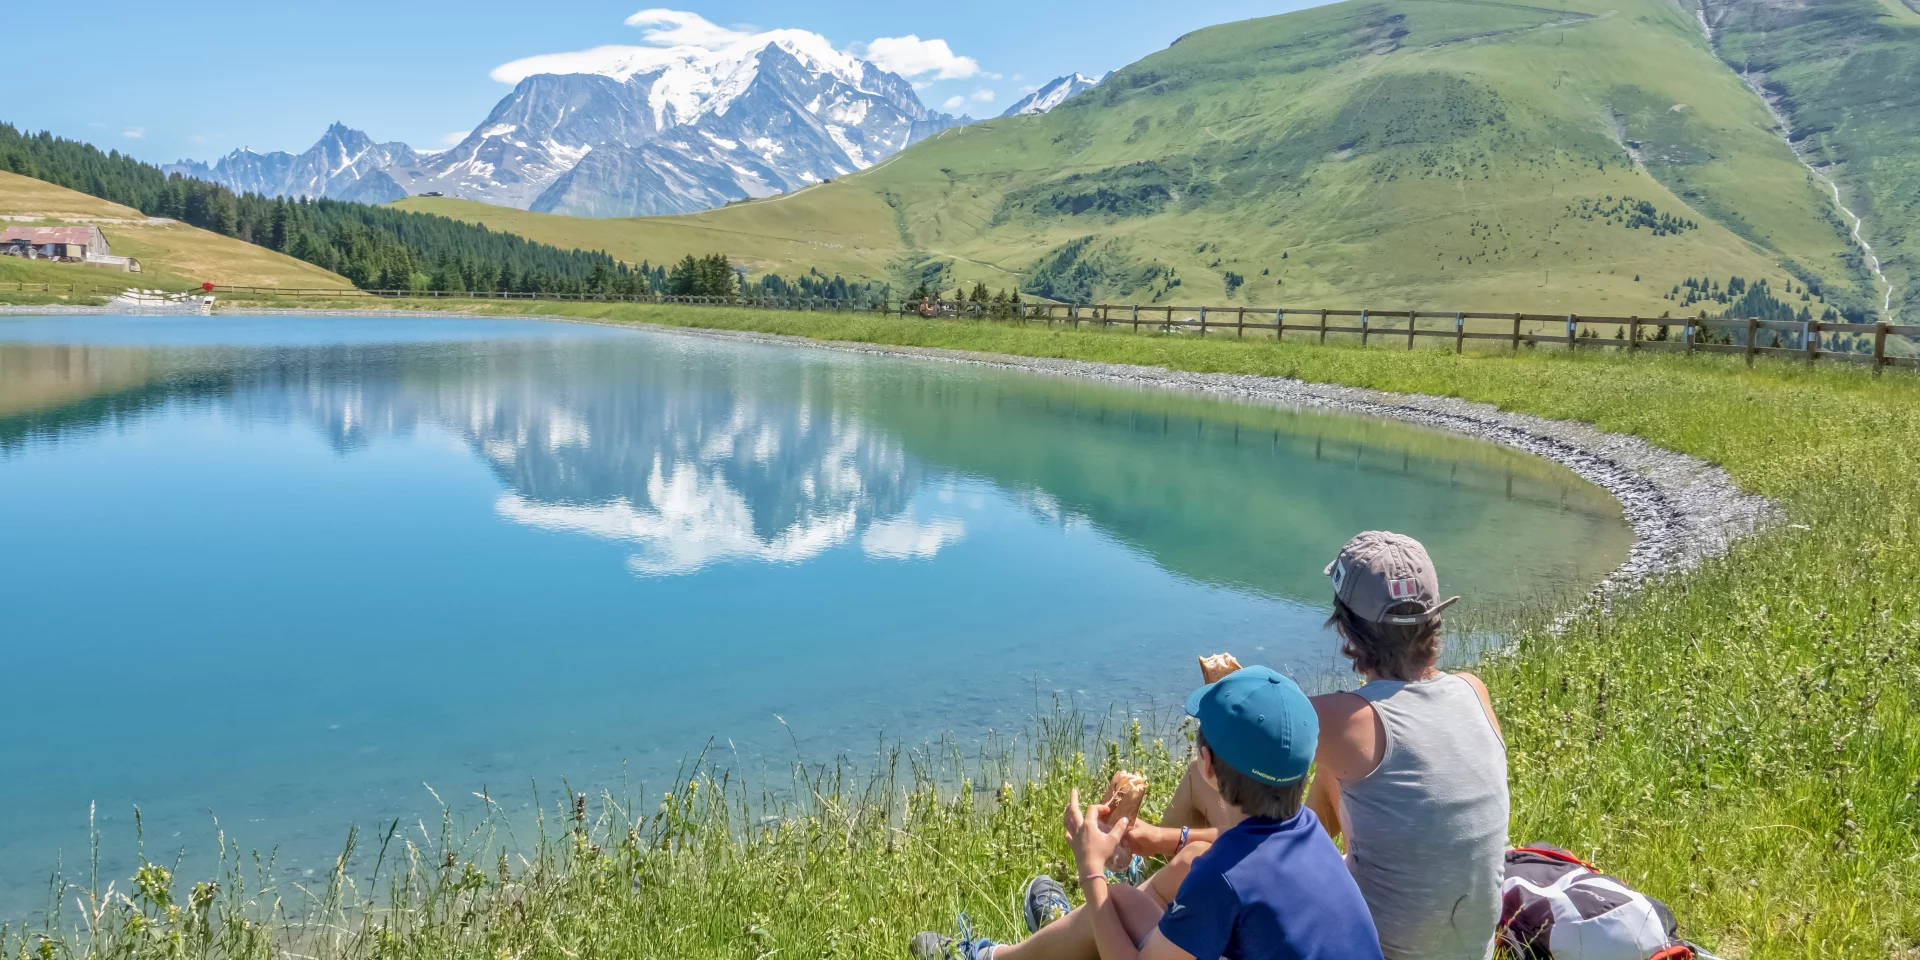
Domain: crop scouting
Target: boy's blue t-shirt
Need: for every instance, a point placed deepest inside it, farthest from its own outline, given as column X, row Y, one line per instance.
column 1272, row 890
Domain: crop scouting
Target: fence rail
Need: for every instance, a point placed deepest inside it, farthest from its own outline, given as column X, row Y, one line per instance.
column 1861, row 343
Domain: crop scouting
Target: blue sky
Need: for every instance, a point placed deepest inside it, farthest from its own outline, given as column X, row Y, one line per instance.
column 164, row 81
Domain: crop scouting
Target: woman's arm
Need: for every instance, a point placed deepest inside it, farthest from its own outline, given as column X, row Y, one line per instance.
column 1323, row 798
column 1486, row 700
column 1352, row 741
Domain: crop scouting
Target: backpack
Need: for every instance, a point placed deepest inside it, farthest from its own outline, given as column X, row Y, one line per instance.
column 1556, row 906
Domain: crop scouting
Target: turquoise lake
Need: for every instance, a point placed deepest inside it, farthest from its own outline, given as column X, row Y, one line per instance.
column 292, row 572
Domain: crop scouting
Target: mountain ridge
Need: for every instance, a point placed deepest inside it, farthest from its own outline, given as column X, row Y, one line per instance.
column 1053, row 93
column 675, row 132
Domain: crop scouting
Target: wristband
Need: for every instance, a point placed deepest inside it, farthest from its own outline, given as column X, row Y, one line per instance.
column 1092, row 876
column 1183, row 839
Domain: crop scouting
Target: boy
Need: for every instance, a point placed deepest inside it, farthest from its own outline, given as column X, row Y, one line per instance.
column 1271, row 887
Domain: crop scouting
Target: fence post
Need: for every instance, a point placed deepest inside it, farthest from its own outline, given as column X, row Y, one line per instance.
column 1459, row 333
column 1573, row 331
column 1516, row 334
column 1203, row 323
column 1412, row 321
column 1365, row 327
column 1753, row 338
column 1240, row 329
column 1136, row 318
column 1323, row 326
column 1279, row 322
column 1879, row 346
column 1168, row 326
column 1686, row 333
column 1810, row 340
column 1633, row 333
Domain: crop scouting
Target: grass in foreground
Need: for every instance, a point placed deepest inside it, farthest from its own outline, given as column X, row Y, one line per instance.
column 1740, row 740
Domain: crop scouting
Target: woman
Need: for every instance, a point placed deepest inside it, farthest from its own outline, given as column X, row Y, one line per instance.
column 1411, row 767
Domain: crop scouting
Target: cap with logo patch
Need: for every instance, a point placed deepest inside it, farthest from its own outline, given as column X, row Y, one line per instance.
column 1377, row 571
column 1259, row 723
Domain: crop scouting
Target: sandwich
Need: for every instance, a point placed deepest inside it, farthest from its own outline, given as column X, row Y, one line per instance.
column 1217, row 666
column 1124, row 795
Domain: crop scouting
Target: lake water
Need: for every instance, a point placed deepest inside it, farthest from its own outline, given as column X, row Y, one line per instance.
column 291, row 572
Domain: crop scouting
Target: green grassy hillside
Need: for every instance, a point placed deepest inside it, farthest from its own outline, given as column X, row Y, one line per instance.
column 1846, row 75
column 173, row 256
column 1420, row 152
column 1427, row 153
column 851, row 234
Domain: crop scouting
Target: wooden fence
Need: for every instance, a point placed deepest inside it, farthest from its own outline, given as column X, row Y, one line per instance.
column 1863, row 343
column 1806, row 340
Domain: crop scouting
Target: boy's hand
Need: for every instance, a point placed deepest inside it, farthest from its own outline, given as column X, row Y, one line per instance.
column 1093, row 840
column 1154, row 841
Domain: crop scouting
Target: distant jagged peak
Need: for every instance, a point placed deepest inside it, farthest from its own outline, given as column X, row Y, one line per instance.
column 1054, row 93
column 693, row 67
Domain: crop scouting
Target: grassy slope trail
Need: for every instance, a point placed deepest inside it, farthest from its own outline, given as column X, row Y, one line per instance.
column 173, row 255
column 1741, row 740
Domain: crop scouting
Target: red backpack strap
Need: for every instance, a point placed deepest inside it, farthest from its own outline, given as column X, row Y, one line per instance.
column 1678, row 951
column 1560, row 855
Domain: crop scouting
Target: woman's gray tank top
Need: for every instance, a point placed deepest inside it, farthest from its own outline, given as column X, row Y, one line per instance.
column 1427, row 830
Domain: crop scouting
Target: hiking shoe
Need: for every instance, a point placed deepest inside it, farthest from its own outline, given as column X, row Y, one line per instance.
column 1045, row 902
column 928, row 945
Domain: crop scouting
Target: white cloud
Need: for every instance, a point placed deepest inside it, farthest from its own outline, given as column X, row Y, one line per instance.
column 910, row 56
column 702, row 65
column 675, row 38
column 134, row 133
column 454, row 137
column 982, row 95
column 954, row 103
column 199, row 138
column 677, row 28
column 903, row 539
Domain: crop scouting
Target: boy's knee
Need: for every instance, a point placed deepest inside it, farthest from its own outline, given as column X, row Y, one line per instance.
column 1166, row 881
column 1188, row 853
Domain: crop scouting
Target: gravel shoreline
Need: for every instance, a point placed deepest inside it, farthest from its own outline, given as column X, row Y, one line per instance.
column 1681, row 508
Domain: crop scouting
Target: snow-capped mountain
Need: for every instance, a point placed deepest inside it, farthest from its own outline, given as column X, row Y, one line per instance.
column 345, row 164
column 1053, row 94
column 533, row 136
column 660, row 131
column 780, row 121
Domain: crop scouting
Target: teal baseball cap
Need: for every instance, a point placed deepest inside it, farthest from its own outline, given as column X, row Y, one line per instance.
column 1258, row 722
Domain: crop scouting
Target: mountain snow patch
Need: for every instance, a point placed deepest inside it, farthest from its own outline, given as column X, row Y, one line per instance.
column 1054, row 93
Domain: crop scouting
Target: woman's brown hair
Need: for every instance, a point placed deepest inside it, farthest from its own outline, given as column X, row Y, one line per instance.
column 1392, row 650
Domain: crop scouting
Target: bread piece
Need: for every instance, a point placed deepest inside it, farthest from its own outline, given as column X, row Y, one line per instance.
column 1217, row 666
column 1124, row 795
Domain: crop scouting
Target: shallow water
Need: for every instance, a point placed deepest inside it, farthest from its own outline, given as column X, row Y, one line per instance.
column 291, row 572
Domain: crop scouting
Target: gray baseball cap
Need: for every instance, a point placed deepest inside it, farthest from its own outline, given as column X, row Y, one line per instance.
column 1378, row 570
